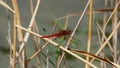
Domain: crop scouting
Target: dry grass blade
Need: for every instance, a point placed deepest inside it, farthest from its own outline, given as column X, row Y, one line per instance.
column 92, row 56
column 57, row 45
column 97, row 57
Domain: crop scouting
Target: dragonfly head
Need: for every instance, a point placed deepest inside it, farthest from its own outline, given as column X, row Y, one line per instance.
column 65, row 32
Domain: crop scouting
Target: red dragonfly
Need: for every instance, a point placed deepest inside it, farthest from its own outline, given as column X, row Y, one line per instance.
column 59, row 34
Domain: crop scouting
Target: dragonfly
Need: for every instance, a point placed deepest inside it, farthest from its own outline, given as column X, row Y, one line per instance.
column 59, row 34
column 63, row 33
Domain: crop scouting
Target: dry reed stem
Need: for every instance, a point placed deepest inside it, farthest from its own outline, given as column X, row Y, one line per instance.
column 29, row 27
column 15, row 40
column 36, row 40
column 19, row 32
column 115, row 36
column 89, row 44
column 6, row 6
column 14, row 44
column 73, row 33
column 17, row 15
column 57, row 45
column 47, row 59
